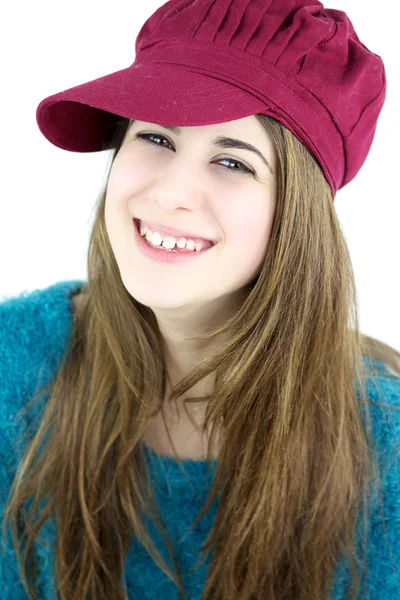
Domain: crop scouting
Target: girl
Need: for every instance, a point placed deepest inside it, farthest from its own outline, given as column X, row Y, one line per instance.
column 203, row 418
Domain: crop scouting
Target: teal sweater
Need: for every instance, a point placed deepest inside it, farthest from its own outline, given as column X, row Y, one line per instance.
column 34, row 329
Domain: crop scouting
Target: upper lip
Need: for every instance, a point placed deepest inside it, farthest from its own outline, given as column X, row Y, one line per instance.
column 163, row 229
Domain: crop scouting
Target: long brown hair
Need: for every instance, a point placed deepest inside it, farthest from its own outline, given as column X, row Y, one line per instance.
column 285, row 395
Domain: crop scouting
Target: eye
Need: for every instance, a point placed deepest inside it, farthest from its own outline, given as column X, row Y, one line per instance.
column 242, row 168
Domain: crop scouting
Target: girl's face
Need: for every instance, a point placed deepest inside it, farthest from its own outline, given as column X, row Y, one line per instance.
column 187, row 180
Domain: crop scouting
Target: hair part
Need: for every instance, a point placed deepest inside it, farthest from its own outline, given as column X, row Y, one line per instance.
column 286, row 381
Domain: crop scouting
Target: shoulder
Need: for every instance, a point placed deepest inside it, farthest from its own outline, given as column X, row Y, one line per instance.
column 384, row 404
column 383, row 395
column 30, row 322
column 44, row 302
column 34, row 328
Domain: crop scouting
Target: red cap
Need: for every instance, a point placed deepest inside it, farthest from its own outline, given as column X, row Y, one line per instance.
column 201, row 62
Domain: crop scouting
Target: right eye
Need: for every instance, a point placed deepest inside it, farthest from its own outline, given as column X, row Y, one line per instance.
column 147, row 136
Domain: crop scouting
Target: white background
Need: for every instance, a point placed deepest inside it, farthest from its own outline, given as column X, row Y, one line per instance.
column 48, row 194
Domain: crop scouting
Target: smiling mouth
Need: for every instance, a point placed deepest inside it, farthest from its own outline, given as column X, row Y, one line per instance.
column 205, row 244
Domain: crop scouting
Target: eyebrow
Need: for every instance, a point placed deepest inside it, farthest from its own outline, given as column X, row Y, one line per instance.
column 224, row 142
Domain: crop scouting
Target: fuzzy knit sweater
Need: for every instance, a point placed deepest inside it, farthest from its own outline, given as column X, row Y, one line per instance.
column 34, row 329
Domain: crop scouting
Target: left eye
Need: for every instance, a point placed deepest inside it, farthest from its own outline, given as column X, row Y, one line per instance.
column 242, row 168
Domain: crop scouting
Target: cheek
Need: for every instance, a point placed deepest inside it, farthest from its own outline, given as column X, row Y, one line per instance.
column 122, row 186
column 128, row 174
column 248, row 229
column 256, row 243
column 118, row 182
column 249, row 223
column 252, row 244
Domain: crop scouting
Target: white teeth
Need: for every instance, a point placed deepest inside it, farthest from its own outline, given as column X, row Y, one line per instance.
column 156, row 239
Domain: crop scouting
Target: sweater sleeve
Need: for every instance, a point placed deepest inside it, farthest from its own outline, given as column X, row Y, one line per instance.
column 34, row 328
column 382, row 579
column 384, row 559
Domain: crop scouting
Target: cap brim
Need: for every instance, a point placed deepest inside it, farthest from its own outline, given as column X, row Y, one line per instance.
column 83, row 118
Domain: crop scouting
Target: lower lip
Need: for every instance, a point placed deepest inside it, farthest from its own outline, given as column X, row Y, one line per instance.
column 164, row 255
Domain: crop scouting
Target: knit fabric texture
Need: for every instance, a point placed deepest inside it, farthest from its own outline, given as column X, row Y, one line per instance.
column 34, row 330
